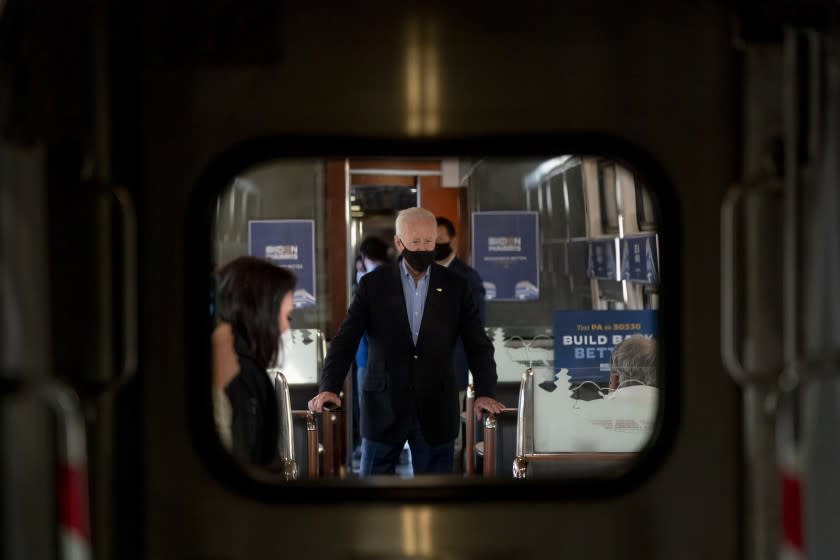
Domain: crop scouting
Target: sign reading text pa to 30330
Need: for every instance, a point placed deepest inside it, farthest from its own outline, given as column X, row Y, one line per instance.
column 584, row 340
column 290, row 244
column 506, row 254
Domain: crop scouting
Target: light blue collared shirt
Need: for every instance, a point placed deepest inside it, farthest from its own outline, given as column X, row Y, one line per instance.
column 415, row 298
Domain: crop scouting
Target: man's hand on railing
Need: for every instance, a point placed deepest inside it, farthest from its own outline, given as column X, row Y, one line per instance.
column 486, row 404
column 317, row 403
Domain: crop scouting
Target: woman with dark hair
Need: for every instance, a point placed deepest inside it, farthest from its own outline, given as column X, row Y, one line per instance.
column 255, row 299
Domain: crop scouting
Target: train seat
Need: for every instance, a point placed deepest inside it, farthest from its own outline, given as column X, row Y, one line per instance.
column 561, row 436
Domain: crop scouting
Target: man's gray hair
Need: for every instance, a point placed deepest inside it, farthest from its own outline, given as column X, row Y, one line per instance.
column 415, row 214
column 635, row 358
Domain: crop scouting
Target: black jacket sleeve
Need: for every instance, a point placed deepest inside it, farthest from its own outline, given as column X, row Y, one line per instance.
column 478, row 347
column 343, row 346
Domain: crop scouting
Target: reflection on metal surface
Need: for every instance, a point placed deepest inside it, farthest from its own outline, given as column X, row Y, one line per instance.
column 469, row 420
column 285, row 437
column 416, row 531
column 526, row 398
column 520, row 467
column 395, row 173
column 313, row 448
column 422, row 78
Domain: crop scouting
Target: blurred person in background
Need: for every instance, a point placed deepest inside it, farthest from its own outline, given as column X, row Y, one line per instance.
column 445, row 255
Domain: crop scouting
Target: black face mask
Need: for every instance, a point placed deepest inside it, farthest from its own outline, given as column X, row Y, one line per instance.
column 442, row 250
column 419, row 260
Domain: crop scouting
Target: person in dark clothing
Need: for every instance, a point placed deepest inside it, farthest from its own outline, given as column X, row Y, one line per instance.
column 255, row 298
column 413, row 313
column 373, row 252
column 445, row 255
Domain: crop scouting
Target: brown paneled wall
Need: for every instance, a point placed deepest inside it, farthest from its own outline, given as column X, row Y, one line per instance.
column 336, row 233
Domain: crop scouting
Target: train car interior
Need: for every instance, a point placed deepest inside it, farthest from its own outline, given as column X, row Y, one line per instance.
column 636, row 216
column 548, row 307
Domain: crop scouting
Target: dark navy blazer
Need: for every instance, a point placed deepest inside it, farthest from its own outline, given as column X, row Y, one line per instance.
column 478, row 292
column 403, row 378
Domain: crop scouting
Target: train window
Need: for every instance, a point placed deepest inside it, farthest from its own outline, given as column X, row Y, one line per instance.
column 560, row 262
column 608, row 193
column 574, row 202
column 644, row 207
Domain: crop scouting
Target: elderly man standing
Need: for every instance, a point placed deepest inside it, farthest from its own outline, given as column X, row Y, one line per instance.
column 413, row 312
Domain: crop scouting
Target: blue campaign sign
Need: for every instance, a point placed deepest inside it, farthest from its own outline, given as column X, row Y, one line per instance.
column 584, row 340
column 506, row 254
column 639, row 259
column 290, row 244
column 602, row 259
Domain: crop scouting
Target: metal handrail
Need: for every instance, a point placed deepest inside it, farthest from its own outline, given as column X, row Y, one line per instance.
column 332, row 419
column 71, row 457
column 490, row 425
column 526, row 400
column 469, row 436
column 129, row 295
column 311, row 442
column 285, row 436
column 728, row 229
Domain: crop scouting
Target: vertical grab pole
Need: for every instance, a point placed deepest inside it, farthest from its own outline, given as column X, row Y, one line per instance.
column 129, row 279
column 752, row 313
column 74, row 517
column 489, row 445
column 524, row 425
column 311, row 446
column 469, row 444
column 329, row 443
column 728, row 303
column 285, row 437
